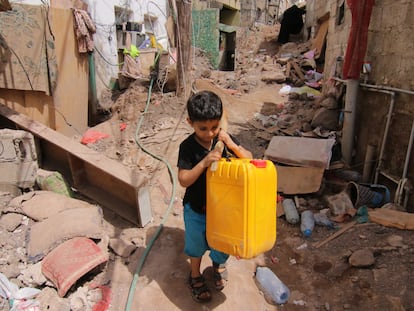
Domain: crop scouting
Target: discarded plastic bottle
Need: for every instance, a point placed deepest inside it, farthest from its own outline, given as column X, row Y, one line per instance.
column 322, row 219
column 291, row 213
column 307, row 223
column 274, row 290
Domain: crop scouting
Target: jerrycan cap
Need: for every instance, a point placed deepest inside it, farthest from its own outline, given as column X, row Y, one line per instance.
column 259, row 163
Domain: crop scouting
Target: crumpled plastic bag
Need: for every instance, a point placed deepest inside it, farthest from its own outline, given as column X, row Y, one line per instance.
column 362, row 214
column 91, row 136
column 19, row 299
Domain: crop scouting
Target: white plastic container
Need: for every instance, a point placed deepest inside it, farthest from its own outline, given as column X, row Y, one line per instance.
column 291, row 213
column 307, row 223
column 322, row 219
column 274, row 290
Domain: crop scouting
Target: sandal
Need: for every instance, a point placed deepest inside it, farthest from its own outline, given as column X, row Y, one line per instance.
column 199, row 289
column 220, row 275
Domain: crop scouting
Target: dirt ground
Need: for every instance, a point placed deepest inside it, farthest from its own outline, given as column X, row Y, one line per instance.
column 154, row 276
column 319, row 278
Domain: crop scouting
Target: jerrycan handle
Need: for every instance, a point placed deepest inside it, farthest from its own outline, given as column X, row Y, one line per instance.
column 259, row 163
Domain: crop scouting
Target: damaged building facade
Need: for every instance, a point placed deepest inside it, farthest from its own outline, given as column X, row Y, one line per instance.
column 378, row 124
column 377, row 129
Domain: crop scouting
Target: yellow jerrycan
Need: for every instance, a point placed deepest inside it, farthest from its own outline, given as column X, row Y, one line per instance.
column 241, row 206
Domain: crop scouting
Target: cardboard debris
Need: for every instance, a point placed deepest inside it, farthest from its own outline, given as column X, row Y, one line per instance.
column 300, row 162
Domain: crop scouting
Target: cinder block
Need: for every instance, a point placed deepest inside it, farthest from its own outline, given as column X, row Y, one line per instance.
column 18, row 158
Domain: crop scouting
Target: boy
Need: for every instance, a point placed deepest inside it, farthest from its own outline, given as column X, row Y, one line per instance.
column 196, row 154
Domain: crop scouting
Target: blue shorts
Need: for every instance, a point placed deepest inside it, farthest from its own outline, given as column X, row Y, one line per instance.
column 195, row 237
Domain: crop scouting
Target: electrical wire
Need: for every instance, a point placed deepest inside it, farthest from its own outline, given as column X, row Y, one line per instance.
column 107, row 61
column 165, row 217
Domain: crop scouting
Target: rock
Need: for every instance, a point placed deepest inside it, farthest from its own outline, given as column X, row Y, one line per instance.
column 11, row 221
column 339, row 203
column 326, row 118
column 49, row 300
column 11, row 271
column 362, row 258
column 122, row 247
column 79, row 299
column 396, row 241
column 33, row 276
column 306, row 127
column 329, row 103
column 277, row 77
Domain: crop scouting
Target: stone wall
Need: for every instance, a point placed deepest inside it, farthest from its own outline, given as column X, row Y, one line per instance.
column 390, row 53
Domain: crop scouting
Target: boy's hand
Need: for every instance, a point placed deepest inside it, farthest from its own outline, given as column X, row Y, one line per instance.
column 213, row 156
column 226, row 139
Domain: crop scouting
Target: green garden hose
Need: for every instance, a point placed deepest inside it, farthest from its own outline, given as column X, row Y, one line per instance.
column 164, row 219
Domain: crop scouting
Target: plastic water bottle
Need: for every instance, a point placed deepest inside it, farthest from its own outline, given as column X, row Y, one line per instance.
column 307, row 223
column 322, row 219
column 291, row 213
column 274, row 290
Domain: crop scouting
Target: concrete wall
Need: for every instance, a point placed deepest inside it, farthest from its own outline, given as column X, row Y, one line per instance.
column 107, row 63
column 206, row 33
column 103, row 14
column 390, row 52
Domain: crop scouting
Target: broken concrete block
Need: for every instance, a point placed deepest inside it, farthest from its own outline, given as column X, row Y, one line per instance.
column 32, row 275
column 11, row 221
column 340, row 204
column 68, row 262
column 122, row 247
column 18, row 158
column 326, row 119
column 75, row 222
column 49, row 300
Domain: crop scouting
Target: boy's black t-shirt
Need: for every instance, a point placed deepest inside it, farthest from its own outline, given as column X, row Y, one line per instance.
column 190, row 153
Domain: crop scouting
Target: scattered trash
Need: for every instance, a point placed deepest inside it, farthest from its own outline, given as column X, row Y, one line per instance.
column 306, row 90
column 307, row 223
column 53, row 181
column 274, row 290
column 299, row 302
column 362, row 215
column 365, row 194
column 291, row 213
column 122, row 126
column 274, row 259
column 19, row 299
column 322, row 219
column 92, row 136
column 285, row 90
column 302, row 246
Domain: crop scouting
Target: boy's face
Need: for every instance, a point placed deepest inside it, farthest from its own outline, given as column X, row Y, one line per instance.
column 205, row 131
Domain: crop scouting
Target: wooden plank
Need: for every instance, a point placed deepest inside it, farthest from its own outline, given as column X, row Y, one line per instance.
column 392, row 218
column 319, row 40
column 288, row 68
column 336, row 234
column 104, row 180
column 298, row 70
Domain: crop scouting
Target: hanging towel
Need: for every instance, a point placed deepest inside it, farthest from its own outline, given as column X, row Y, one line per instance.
column 84, row 30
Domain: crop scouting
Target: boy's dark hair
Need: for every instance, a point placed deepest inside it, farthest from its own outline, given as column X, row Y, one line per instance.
column 204, row 105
